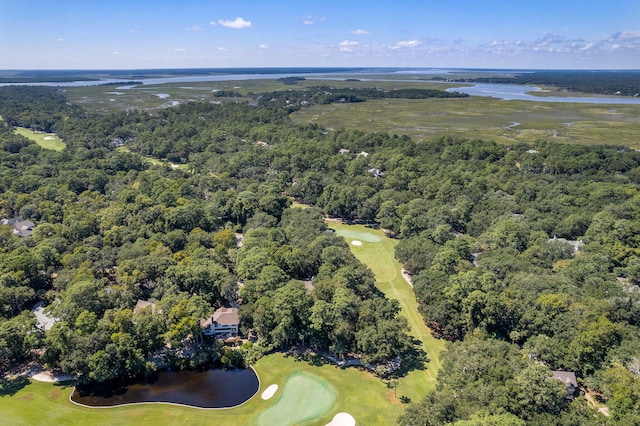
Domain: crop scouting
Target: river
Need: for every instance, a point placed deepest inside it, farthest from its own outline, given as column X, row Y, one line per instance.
column 512, row 92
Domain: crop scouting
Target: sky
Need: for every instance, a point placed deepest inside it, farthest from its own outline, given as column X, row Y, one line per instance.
column 137, row 34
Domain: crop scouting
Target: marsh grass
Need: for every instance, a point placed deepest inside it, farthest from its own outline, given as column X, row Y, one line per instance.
column 484, row 118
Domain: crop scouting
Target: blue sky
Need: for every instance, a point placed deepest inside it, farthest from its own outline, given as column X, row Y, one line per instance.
column 116, row 34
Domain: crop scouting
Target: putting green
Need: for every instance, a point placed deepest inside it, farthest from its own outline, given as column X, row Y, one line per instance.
column 362, row 236
column 304, row 397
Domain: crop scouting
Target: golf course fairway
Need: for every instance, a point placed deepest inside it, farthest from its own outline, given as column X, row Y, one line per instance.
column 377, row 252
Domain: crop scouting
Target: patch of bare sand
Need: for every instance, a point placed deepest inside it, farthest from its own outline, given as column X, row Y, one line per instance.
column 342, row 419
column 269, row 391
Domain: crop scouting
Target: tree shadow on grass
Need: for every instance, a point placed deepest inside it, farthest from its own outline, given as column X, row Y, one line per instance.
column 9, row 387
column 414, row 359
column 310, row 358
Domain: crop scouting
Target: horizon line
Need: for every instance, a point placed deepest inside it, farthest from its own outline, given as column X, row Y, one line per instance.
column 2, row 70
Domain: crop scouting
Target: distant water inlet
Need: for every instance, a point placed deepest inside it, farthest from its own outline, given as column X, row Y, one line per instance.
column 213, row 388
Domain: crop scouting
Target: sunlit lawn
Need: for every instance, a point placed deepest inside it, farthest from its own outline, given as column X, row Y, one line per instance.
column 45, row 140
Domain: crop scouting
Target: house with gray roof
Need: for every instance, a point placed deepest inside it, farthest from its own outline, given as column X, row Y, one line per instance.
column 570, row 381
column 21, row 227
column 223, row 323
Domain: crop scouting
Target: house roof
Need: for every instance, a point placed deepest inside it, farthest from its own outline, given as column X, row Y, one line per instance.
column 22, row 228
column 222, row 316
column 576, row 244
column 144, row 304
column 226, row 316
column 566, row 377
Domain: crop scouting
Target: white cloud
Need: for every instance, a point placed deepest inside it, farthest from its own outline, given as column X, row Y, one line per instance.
column 409, row 43
column 222, row 49
column 360, row 32
column 264, row 46
column 346, row 49
column 310, row 20
column 196, row 28
column 57, row 40
column 179, row 49
column 349, row 43
column 133, row 30
column 628, row 35
column 115, row 52
column 238, row 23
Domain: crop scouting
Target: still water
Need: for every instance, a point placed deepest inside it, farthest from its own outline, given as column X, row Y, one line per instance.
column 512, row 92
column 215, row 388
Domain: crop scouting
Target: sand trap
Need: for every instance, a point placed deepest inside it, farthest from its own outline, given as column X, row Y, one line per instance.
column 269, row 391
column 342, row 419
column 49, row 138
column 51, row 377
column 356, row 243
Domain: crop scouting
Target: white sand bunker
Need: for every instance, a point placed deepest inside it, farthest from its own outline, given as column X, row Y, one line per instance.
column 342, row 419
column 356, row 243
column 49, row 138
column 269, row 391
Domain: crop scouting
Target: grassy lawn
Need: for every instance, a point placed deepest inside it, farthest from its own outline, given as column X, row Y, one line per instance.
column 359, row 393
column 377, row 252
column 154, row 161
column 304, row 397
column 484, row 118
column 45, row 140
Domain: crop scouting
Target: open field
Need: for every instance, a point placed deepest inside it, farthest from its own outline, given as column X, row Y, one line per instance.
column 377, row 252
column 358, row 393
column 484, row 118
column 45, row 140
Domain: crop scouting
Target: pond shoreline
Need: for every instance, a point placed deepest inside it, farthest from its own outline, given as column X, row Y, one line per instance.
column 178, row 404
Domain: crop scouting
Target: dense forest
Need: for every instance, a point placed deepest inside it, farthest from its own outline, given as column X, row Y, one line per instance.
column 525, row 258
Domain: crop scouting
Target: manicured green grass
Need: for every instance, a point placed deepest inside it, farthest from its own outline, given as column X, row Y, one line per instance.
column 377, row 252
column 357, row 392
column 303, row 398
column 45, row 140
column 484, row 118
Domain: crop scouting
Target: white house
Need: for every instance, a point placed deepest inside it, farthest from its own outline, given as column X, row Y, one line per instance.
column 223, row 323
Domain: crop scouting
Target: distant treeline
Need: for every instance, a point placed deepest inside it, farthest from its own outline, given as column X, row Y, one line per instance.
column 43, row 77
column 627, row 83
column 291, row 80
column 38, row 108
column 329, row 95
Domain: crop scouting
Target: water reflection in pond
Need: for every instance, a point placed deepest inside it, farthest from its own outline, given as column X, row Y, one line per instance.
column 213, row 388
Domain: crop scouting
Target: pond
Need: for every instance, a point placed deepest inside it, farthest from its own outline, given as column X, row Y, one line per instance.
column 214, row 388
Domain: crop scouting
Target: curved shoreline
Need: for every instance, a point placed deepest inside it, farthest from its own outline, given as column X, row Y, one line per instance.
column 172, row 403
